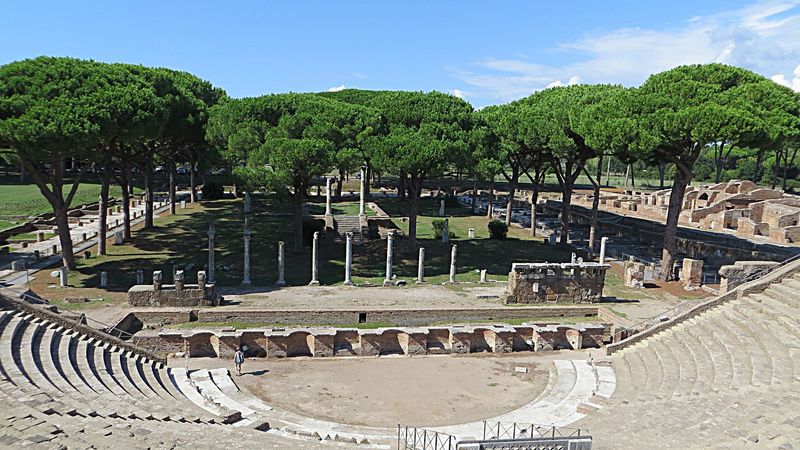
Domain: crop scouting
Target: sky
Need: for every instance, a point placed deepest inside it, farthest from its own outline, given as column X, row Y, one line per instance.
column 486, row 52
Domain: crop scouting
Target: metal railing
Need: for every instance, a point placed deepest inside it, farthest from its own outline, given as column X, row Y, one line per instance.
column 515, row 430
column 411, row 438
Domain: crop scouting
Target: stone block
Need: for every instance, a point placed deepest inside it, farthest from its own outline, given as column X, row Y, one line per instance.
column 691, row 273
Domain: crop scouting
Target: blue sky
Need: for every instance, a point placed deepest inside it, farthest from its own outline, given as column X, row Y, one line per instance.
column 488, row 52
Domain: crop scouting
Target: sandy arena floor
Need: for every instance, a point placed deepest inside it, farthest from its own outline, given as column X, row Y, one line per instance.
column 386, row 391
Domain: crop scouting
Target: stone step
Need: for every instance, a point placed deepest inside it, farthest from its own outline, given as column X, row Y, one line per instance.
column 50, row 358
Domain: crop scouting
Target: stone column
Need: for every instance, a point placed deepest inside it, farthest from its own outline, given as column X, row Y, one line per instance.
column 453, row 254
column 211, row 263
column 389, row 254
column 328, row 196
column 348, row 261
column 63, row 276
column 314, row 262
column 103, row 279
column 603, row 241
column 363, row 189
column 281, row 265
column 441, row 208
column 201, row 280
column 574, row 258
column 483, row 276
column 247, row 203
column 246, row 277
column 446, row 232
column 421, row 266
column 140, row 276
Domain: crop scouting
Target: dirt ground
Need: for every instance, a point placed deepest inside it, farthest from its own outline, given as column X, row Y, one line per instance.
column 342, row 297
column 385, row 391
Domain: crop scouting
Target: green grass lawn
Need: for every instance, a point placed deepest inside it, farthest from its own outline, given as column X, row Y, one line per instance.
column 30, row 236
column 181, row 239
column 338, row 209
column 7, row 224
column 20, row 200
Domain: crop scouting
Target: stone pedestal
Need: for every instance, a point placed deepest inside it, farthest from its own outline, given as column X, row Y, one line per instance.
column 63, row 277
column 314, row 261
column 179, row 279
column 118, row 238
column 471, row 233
column 441, row 208
column 633, row 273
column 692, row 273
column 483, row 276
column 39, row 236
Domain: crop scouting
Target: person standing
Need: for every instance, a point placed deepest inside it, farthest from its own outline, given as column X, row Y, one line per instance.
column 238, row 360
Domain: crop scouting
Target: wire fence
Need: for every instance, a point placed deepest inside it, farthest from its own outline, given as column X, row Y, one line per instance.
column 517, row 430
column 411, row 438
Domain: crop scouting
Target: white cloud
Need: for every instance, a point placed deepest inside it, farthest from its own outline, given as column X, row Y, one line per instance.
column 794, row 83
column 572, row 80
column 458, row 93
column 341, row 87
column 764, row 37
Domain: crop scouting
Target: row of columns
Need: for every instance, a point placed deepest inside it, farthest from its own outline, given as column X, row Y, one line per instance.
column 348, row 266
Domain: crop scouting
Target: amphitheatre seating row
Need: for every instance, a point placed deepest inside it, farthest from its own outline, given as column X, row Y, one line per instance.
column 727, row 378
column 62, row 389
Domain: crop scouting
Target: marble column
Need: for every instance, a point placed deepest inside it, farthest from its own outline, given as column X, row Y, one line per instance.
column 314, row 262
column 246, row 277
column 211, row 262
column 603, row 241
column 328, row 196
column 446, row 232
column 281, row 265
column 453, row 254
column 421, row 266
column 363, row 193
column 247, row 207
column 104, row 279
column 389, row 255
column 348, row 261
column 63, row 276
column 441, row 208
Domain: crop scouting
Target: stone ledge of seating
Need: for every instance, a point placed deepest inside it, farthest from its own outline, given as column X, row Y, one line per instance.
column 753, row 287
column 83, row 330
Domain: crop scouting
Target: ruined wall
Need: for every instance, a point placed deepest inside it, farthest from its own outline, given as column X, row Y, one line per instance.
column 555, row 283
column 326, row 342
column 167, row 295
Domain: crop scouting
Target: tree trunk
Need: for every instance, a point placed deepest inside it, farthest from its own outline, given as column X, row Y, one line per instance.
column 299, row 197
column 633, row 178
column 566, row 210
column 627, row 175
column 414, row 190
column 368, row 183
column 608, row 173
column 21, row 173
column 102, row 222
column 662, row 173
column 474, row 194
column 126, row 207
column 193, row 180
column 595, row 207
column 534, row 201
column 148, row 195
column 401, row 187
column 171, row 167
column 512, row 189
column 490, row 205
column 62, row 222
column 785, row 170
column 683, row 176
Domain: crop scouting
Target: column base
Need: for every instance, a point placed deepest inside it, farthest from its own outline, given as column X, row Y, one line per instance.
column 247, row 283
column 419, row 282
column 314, row 283
column 347, row 283
column 280, row 283
column 388, row 283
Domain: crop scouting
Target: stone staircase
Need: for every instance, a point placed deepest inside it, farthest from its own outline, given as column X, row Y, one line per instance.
column 726, row 378
column 62, row 389
column 348, row 224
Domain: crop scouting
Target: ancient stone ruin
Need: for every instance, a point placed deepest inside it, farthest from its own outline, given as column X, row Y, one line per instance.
column 575, row 282
column 178, row 294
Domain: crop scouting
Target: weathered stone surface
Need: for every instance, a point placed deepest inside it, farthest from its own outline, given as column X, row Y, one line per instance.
column 633, row 274
column 691, row 273
column 556, row 282
column 736, row 274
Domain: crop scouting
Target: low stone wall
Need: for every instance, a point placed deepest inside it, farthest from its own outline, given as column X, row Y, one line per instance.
column 579, row 282
column 328, row 342
column 396, row 317
column 168, row 295
column 738, row 273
